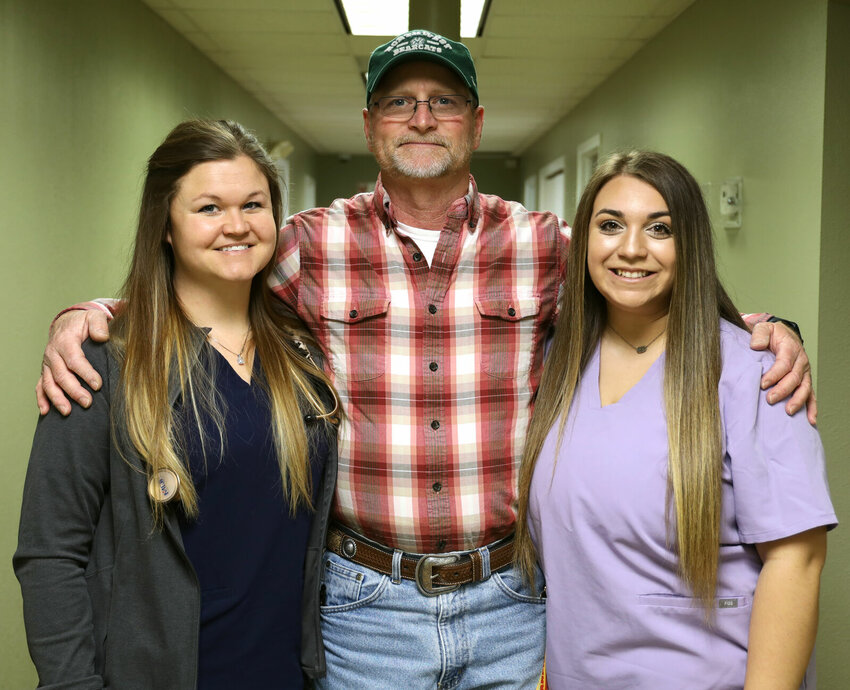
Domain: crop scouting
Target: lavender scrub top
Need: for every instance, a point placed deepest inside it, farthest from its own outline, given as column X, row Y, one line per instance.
column 617, row 615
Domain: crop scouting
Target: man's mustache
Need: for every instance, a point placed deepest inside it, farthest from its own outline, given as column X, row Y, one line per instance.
column 432, row 139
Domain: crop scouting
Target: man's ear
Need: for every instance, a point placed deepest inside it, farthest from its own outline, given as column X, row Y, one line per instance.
column 479, row 126
column 367, row 128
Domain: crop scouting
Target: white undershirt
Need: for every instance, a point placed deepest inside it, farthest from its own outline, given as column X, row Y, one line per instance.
column 426, row 240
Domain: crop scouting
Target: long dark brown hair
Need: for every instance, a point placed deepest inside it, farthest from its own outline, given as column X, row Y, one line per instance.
column 157, row 343
column 691, row 373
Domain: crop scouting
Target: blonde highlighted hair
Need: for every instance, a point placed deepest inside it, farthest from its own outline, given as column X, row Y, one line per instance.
column 691, row 374
column 159, row 346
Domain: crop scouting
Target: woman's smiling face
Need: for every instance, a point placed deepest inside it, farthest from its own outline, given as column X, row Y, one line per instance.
column 631, row 253
column 222, row 226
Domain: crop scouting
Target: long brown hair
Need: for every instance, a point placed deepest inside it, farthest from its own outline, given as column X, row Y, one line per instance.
column 691, row 373
column 158, row 344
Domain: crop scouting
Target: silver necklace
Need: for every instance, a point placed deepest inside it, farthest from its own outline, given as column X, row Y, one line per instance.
column 239, row 358
column 640, row 349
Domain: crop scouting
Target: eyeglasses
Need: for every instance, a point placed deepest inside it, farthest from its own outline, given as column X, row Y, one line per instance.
column 402, row 108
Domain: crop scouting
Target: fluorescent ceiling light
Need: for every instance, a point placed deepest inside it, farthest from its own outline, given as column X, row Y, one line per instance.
column 376, row 17
column 391, row 17
column 470, row 17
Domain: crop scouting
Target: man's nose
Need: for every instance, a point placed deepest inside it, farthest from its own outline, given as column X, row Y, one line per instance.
column 422, row 119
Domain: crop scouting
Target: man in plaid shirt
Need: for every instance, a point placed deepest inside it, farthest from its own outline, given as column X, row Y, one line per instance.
column 432, row 303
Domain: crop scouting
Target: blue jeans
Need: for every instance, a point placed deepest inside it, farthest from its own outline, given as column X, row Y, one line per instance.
column 381, row 632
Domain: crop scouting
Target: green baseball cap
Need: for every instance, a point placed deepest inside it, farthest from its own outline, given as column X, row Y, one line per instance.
column 419, row 44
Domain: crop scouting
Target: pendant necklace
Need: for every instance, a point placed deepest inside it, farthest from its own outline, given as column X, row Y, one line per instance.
column 640, row 349
column 239, row 358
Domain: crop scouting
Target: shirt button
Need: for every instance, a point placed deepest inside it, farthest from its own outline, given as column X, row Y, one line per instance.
column 511, row 311
column 432, row 309
column 441, row 544
column 352, row 314
column 417, row 256
column 433, row 366
column 437, row 487
column 435, row 425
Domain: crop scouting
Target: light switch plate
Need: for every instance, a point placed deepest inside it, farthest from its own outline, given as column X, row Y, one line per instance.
column 731, row 202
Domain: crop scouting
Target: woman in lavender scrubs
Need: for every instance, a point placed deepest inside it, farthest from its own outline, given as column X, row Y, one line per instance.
column 680, row 520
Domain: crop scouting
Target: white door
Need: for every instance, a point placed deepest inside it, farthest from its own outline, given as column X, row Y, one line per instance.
column 551, row 189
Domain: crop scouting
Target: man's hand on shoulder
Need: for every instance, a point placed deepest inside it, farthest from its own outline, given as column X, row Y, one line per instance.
column 791, row 373
column 64, row 360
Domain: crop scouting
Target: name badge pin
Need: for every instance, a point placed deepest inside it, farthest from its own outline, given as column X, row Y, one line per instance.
column 163, row 486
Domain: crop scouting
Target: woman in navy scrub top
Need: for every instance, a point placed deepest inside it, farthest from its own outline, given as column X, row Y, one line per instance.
column 679, row 519
column 164, row 529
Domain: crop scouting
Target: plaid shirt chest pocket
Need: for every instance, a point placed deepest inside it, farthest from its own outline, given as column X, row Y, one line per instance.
column 356, row 326
column 508, row 327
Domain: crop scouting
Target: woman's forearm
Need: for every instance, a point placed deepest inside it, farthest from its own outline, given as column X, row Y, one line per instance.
column 785, row 611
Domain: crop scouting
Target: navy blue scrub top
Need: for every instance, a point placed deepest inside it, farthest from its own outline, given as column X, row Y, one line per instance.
column 247, row 551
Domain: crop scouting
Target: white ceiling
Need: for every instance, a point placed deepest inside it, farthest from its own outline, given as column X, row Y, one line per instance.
column 536, row 60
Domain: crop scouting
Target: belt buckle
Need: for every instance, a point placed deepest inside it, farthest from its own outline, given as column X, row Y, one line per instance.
column 424, row 574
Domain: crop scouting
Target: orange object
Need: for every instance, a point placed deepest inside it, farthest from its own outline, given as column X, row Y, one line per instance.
column 542, row 684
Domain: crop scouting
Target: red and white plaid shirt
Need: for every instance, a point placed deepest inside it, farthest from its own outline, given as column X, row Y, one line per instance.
column 435, row 367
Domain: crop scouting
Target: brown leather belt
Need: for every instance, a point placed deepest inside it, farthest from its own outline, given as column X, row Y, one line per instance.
column 433, row 573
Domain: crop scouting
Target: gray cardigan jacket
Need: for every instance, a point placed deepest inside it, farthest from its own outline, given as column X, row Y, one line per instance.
column 109, row 601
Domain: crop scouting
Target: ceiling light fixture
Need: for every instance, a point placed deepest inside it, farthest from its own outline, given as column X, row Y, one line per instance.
column 373, row 18
column 391, row 17
column 473, row 15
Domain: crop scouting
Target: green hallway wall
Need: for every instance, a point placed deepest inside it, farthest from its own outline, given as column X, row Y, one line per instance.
column 760, row 90
column 89, row 89
column 339, row 177
column 834, row 335
column 497, row 173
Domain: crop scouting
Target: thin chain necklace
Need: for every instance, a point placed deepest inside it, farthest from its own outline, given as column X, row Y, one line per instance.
column 640, row 349
column 239, row 358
